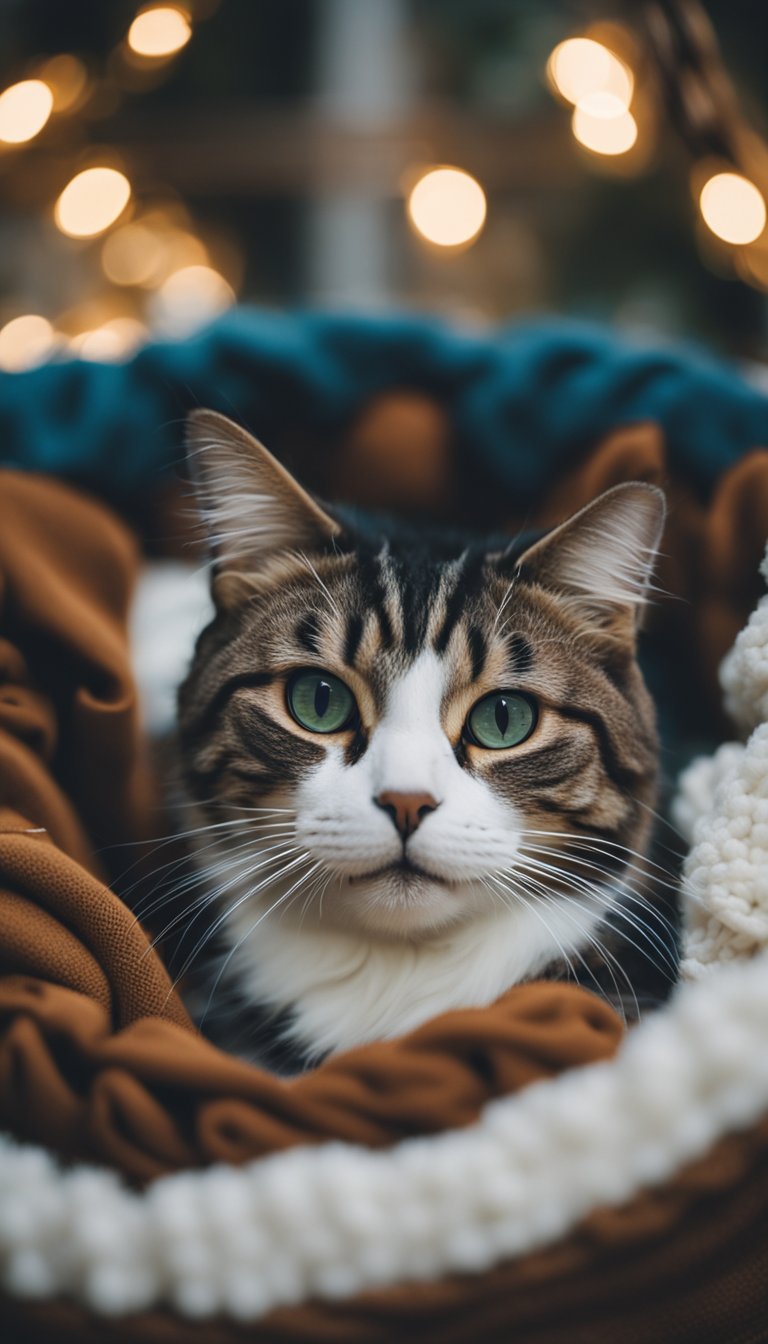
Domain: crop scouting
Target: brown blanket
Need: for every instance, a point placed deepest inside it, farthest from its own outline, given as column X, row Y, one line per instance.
column 98, row 1058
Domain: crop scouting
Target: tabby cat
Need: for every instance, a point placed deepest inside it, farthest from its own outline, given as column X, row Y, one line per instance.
column 423, row 765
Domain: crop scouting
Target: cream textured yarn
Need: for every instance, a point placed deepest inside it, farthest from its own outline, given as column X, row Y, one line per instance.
column 722, row 806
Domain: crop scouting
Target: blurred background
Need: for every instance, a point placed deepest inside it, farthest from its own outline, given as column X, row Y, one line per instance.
column 480, row 158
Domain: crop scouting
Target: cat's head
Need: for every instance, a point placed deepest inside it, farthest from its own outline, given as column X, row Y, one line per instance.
column 434, row 716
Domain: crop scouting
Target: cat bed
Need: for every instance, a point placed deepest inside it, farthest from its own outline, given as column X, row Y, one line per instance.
column 521, row 1171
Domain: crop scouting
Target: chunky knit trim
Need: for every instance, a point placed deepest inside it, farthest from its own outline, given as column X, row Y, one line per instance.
column 330, row 1222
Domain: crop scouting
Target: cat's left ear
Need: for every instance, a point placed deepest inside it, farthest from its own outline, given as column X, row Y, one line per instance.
column 252, row 507
column 599, row 563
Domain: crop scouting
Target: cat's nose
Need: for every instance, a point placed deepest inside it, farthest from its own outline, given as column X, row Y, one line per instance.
column 407, row 810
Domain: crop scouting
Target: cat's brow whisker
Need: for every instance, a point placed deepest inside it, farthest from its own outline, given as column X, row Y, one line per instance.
column 323, row 588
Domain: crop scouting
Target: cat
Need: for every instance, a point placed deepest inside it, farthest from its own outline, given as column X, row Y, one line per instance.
column 424, row 766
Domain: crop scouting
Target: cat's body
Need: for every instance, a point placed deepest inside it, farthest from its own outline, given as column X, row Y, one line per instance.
column 426, row 767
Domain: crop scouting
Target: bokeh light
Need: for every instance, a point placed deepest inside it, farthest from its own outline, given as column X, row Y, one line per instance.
column 447, row 207
column 580, row 66
column 66, row 77
column 160, row 31
column 189, row 298
column 147, row 250
column 24, row 110
column 132, row 255
column 733, row 208
column 26, row 342
column 112, row 341
column 602, row 123
column 92, row 201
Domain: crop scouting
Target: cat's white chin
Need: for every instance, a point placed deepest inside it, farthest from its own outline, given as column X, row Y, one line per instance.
column 402, row 903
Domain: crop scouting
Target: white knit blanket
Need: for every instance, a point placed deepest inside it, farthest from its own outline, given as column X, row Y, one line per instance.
column 332, row 1221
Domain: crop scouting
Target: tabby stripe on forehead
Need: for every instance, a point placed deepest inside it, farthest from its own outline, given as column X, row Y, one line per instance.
column 478, row 650
column 354, row 634
column 372, row 584
column 203, row 722
column 308, row 632
column 521, row 653
column 465, row 584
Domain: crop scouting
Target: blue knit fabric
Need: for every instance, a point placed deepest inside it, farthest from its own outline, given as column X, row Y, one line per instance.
column 525, row 398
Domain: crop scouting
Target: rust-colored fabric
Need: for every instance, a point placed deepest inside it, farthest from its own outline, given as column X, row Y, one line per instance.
column 99, row 1060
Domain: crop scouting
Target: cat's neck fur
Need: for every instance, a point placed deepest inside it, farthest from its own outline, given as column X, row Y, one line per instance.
column 338, row 989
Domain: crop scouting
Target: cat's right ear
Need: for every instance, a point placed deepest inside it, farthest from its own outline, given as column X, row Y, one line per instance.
column 252, row 507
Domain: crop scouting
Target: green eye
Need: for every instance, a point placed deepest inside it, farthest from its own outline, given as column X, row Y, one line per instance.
column 503, row 719
column 320, row 702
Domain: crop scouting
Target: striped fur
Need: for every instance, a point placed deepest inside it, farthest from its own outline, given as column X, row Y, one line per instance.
column 319, row 920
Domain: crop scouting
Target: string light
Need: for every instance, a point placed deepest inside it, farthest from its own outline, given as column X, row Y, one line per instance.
column 189, row 298
column 147, row 250
column 92, row 201
column 66, row 77
column 580, row 66
column 603, row 123
column 447, row 207
column 25, row 342
column 132, row 255
column 159, row 32
column 112, row 341
column 733, row 208
column 24, row 110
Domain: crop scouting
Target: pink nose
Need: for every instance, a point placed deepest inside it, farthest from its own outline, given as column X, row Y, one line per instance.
column 407, row 810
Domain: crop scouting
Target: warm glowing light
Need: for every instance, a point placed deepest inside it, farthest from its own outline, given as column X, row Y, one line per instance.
column 114, row 340
column 147, row 250
column 733, row 208
column 132, row 255
column 580, row 66
column 447, row 207
column 92, row 201
column 25, row 342
column 65, row 75
column 602, row 123
column 161, row 31
column 24, row 110
column 189, row 298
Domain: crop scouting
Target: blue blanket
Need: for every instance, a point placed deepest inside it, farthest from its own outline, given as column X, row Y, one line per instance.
column 526, row 398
